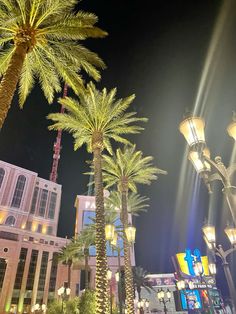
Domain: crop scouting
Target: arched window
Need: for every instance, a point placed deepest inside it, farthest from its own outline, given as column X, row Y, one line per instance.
column 20, row 185
column 10, row 221
column 2, row 174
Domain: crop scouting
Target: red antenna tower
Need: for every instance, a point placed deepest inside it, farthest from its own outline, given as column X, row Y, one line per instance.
column 57, row 146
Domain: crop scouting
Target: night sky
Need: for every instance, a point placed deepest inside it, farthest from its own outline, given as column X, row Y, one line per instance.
column 161, row 51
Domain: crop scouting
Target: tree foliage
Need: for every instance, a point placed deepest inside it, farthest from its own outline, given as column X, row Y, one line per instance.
column 50, row 32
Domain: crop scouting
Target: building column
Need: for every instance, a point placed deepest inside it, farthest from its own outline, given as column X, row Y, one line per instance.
column 24, row 281
column 36, row 279
column 9, row 281
column 47, row 280
column 8, row 284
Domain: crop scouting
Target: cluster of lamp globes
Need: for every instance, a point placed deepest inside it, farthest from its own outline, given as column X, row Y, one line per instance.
column 37, row 307
column 192, row 129
column 63, row 291
column 112, row 236
column 144, row 303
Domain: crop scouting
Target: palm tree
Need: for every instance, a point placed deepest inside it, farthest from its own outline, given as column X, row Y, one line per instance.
column 126, row 169
column 95, row 120
column 39, row 40
column 141, row 280
column 67, row 256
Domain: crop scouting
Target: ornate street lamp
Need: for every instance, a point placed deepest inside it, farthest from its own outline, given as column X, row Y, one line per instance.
column 210, row 239
column 130, row 232
column 109, row 232
column 64, row 294
column 192, row 129
column 161, row 297
column 109, row 274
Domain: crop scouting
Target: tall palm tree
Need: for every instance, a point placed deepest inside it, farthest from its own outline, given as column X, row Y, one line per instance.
column 40, row 40
column 96, row 119
column 126, row 169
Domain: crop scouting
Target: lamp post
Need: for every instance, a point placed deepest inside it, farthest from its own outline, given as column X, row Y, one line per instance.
column 37, row 308
column 161, row 297
column 192, row 128
column 199, row 271
column 142, row 305
column 64, row 294
column 210, row 239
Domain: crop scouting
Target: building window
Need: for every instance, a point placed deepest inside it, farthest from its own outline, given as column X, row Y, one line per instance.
column 20, row 269
column 43, row 272
column 3, row 266
column 34, row 200
column 20, row 185
column 39, row 228
column 2, row 174
column 32, row 270
column 53, row 276
column 43, row 202
column 52, row 205
column 49, row 230
column 10, row 221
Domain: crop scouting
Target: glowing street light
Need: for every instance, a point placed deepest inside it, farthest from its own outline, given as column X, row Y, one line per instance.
column 161, row 297
column 109, row 232
column 130, row 232
column 192, row 129
column 210, row 239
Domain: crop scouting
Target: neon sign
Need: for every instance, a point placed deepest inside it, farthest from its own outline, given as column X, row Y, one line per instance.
column 186, row 261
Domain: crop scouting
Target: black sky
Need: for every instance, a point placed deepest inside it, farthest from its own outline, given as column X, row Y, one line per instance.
column 157, row 50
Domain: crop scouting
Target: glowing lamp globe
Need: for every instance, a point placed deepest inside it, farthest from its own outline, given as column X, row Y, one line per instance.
column 231, row 234
column 191, row 284
column 115, row 239
column 147, row 304
column 168, row 294
column 130, row 232
column 109, row 232
column 161, row 295
column 212, row 268
column 198, row 268
column 180, row 284
column 192, row 129
column 109, row 274
column 117, row 276
column 210, row 233
column 199, row 163
column 68, row 291
column 231, row 129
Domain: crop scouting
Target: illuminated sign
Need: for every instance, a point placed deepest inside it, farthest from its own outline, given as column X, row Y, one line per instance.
column 186, row 261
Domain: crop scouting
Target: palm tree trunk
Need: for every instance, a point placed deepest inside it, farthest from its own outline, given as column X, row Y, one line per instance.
column 101, row 259
column 86, row 254
column 128, row 270
column 69, row 273
column 10, row 80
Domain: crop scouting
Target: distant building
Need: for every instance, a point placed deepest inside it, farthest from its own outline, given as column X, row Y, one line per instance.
column 29, row 211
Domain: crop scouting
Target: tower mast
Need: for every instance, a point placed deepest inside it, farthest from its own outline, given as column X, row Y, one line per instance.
column 57, row 146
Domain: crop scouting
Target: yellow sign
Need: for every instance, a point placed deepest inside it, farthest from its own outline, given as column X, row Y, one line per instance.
column 185, row 261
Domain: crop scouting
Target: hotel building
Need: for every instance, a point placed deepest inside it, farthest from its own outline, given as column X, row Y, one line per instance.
column 29, row 211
